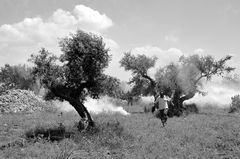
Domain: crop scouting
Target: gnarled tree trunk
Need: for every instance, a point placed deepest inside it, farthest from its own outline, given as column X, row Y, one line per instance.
column 176, row 106
column 82, row 111
column 72, row 96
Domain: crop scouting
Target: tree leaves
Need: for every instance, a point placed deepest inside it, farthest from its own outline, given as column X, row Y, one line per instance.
column 81, row 66
column 192, row 69
column 139, row 66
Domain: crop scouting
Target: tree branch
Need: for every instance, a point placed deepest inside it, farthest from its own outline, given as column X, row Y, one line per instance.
column 153, row 83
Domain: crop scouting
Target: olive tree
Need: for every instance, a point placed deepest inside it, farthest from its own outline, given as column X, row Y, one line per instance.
column 78, row 72
column 143, row 83
column 111, row 87
column 184, row 80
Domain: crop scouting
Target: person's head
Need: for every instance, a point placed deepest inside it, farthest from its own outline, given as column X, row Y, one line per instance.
column 161, row 94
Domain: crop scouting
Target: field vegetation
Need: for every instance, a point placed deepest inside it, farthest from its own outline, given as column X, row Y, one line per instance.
column 213, row 133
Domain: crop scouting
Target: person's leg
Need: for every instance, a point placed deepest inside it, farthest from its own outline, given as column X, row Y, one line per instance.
column 163, row 117
column 153, row 108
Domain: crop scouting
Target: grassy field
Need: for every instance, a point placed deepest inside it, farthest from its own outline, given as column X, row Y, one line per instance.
column 213, row 133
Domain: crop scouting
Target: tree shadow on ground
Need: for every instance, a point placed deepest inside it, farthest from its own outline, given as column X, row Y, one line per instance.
column 107, row 134
column 50, row 134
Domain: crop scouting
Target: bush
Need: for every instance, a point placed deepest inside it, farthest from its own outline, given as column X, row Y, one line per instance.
column 235, row 105
column 51, row 134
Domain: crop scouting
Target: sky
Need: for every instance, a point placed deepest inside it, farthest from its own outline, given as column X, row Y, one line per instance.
column 166, row 29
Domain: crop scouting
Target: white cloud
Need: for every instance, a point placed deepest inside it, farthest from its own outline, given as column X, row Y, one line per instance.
column 171, row 38
column 22, row 38
column 147, row 50
column 199, row 51
column 111, row 44
column 164, row 56
column 92, row 17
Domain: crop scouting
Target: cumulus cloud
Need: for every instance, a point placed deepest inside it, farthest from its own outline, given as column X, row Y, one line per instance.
column 164, row 56
column 32, row 33
column 92, row 17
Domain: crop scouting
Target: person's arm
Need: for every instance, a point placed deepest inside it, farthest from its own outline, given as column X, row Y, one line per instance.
column 156, row 102
column 166, row 98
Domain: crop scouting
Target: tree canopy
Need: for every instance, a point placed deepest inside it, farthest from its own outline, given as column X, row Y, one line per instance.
column 139, row 66
column 192, row 69
column 111, row 87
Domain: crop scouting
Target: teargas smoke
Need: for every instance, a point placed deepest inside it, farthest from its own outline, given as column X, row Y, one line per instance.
column 103, row 105
column 218, row 94
column 147, row 100
column 96, row 106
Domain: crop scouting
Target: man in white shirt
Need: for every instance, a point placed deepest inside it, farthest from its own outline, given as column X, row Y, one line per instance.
column 162, row 107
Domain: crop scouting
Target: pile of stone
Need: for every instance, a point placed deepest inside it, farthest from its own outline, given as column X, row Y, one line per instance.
column 16, row 100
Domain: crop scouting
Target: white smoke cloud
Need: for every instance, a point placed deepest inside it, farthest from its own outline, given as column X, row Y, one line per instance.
column 218, row 94
column 147, row 99
column 95, row 106
column 103, row 105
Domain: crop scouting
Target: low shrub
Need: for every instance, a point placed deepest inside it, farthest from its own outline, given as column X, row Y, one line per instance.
column 51, row 134
column 191, row 109
column 235, row 105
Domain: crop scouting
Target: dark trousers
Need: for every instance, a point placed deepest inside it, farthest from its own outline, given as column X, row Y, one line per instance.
column 162, row 115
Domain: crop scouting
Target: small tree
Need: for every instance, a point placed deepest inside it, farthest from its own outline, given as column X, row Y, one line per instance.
column 16, row 77
column 235, row 105
column 139, row 66
column 83, row 61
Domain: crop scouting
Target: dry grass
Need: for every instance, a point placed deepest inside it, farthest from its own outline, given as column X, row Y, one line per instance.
column 213, row 133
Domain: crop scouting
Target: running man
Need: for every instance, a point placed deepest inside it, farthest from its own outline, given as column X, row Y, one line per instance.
column 162, row 107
